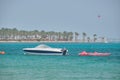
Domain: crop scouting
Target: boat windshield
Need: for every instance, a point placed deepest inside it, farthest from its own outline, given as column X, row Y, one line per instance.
column 43, row 46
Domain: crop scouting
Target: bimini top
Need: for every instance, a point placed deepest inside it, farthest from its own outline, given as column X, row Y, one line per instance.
column 43, row 46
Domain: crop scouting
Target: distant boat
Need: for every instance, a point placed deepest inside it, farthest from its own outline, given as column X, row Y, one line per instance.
column 93, row 54
column 45, row 50
column 2, row 52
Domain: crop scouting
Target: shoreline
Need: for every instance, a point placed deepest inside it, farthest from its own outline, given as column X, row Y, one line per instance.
column 40, row 41
column 49, row 42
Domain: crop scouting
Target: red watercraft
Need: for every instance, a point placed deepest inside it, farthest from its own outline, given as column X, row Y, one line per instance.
column 84, row 53
column 2, row 52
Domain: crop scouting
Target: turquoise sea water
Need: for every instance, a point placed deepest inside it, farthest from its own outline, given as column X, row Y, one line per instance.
column 14, row 65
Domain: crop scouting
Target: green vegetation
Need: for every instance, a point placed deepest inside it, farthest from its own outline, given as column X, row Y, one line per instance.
column 14, row 34
column 7, row 34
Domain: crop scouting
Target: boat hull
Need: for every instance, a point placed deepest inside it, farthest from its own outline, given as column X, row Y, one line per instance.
column 41, row 52
column 33, row 53
column 45, row 51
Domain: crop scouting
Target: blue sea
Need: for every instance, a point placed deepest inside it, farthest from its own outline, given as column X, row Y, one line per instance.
column 14, row 65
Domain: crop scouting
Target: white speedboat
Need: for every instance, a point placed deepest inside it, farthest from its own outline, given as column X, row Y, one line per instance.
column 45, row 50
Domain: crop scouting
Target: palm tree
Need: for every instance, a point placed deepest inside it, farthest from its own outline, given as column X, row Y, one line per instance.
column 49, row 36
column 14, row 33
column 3, row 33
column 59, row 36
column 94, row 35
column 88, row 39
column 70, row 36
column 84, row 35
column 103, row 39
column 64, row 35
column 53, row 35
column 76, row 36
column 36, row 32
column 43, row 35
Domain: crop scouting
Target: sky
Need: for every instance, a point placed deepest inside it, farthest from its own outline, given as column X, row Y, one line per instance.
column 101, row 17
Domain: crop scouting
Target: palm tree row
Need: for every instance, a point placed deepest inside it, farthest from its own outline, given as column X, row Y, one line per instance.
column 14, row 34
column 7, row 34
column 94, row 39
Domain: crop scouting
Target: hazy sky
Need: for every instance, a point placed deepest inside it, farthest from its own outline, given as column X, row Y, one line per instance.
column 91, row 16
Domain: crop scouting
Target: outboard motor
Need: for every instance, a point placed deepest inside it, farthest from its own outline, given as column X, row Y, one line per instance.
column 64, row 51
